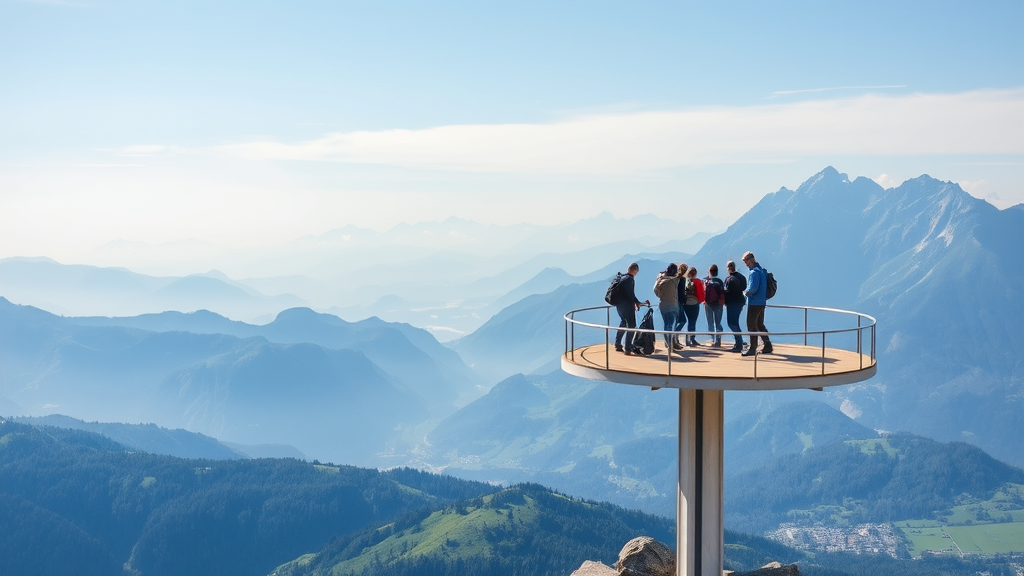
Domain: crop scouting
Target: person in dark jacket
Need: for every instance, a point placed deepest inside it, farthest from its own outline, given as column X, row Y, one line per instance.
column 735, row 285
column 714, row 304
column 627, row 304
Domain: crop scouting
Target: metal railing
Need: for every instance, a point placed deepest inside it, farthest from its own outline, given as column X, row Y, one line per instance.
column 864, row 329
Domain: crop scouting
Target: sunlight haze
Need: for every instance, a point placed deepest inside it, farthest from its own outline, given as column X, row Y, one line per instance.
column 246, row 125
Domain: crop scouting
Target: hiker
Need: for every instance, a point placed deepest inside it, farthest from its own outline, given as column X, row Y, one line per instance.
column 714, row 303
column 735, row 284
column 681, row 296
column 666, row 289
column 627, row 304
column 757, row 299
column 694, row 292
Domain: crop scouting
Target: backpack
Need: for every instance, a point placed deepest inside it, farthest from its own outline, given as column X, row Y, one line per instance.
column 645, row 340
column 714, row 291
column 611, row 295
column 771, row 285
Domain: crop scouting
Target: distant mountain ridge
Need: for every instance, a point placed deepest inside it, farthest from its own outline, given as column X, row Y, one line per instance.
column 83, row 290
column 334, row 390
column 145, row 437
column 447, row 277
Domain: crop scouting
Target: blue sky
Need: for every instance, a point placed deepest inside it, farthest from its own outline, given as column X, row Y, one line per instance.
column 255, row 122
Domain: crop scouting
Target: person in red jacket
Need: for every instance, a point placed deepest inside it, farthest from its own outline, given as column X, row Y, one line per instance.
column 694, row 292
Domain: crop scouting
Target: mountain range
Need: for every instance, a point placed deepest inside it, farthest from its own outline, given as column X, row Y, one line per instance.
column 309, row 380
column 930, row 262
column 447, row 277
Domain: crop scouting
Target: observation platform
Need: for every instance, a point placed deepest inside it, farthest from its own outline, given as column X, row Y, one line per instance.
column 815, row 348
column 805, row 358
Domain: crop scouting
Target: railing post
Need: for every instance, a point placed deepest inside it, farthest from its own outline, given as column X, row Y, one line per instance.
column 872, row 343
column 607, row 336
column 822, row 353
column 668, row 352
column 572, row 338
column 805, row 325
column 860, row 336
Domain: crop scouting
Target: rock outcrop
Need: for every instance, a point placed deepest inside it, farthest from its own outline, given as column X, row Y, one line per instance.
column 645, row 556
column 773, row 569
column 595, row 569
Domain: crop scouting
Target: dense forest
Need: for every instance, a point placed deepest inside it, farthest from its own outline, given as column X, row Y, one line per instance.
column 72, row 498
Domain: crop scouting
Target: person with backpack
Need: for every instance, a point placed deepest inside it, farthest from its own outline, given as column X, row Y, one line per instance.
column 681, row 296
column 714, row 303
column 735, row 285
column 666, row 289
column 757, row 299
column 694, row 292
column 621, row 294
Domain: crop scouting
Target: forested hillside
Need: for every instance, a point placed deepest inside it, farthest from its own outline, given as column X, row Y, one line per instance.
column 891, row 478
column 71, row 499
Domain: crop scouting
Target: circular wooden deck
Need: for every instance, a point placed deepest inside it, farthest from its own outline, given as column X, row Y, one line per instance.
column 789, row 366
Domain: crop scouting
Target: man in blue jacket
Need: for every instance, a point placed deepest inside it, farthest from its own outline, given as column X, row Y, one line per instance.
column 757, row 299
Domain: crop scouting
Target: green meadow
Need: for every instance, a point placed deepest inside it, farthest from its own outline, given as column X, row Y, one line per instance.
column 926, row 536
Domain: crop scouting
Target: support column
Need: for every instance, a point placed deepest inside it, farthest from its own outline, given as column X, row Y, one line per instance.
column 700, row 538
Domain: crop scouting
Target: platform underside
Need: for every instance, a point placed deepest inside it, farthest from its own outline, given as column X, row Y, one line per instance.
column 790, row 366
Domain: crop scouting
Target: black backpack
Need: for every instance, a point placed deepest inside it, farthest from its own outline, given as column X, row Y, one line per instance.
column 714, row 290
column 611, row 295
column 771, row 286
column 645, row 340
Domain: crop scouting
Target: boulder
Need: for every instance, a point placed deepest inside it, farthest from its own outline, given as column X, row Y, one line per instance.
column 594, row 569
column 773, row 569
column 645, row 556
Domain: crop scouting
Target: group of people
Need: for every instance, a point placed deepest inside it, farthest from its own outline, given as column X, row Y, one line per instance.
column 681, row 295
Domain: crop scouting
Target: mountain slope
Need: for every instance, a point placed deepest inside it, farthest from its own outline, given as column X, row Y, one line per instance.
column 73, row 501
column 934, row 266
column 514, row 531
column 890, row 478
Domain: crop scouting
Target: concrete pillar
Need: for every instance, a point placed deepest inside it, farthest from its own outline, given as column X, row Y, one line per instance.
column 700, row 538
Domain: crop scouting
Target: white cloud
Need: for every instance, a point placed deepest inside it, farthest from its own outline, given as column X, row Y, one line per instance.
column 886, row 181
column 834, row 88
column 977, row 122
